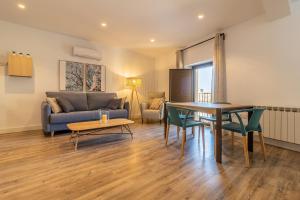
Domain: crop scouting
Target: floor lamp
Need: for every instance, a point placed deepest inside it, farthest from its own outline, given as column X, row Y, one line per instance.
column 134, row 83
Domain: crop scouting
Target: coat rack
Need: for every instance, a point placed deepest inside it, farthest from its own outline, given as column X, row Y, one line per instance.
column 19, row 64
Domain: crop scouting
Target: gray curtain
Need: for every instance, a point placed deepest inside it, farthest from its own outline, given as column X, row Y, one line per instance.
column 179, row 59
column 219, row 70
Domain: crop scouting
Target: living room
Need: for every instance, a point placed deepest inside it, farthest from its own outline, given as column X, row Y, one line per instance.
column 147, row 53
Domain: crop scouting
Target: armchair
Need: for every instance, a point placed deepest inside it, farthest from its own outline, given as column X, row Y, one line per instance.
column 154, row 115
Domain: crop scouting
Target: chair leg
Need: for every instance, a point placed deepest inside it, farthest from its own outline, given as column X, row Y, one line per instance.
column 183, row 141
column 167, row 133
column 203, row 140
column 215, row 142
column 262, row 143
column 178, row 131
column 142, row 121
column 213, row 127
column 199, row 134
column 52, row 133
column 160, row 121
column 232, row 138
column 193, row 131
column 245, row 144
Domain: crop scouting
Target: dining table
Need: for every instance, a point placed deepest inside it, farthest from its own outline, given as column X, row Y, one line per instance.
column 215, row 109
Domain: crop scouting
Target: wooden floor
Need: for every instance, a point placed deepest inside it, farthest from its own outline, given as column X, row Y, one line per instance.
column 33, row 166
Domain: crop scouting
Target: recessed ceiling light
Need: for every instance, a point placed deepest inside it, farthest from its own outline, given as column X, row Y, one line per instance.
column 103, row 24
column 200, row 16
column 22, row 6
column 152, row 40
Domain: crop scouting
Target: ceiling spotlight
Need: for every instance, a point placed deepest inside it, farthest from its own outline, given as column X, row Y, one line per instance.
column 21, row 6
column 103, row 24
column 200, row 16
column 152, row 40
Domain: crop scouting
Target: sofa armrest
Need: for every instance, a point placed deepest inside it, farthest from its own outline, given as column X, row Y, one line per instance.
column 144, row 106
column 161, row 110
column 45, row 115
column 127, row 106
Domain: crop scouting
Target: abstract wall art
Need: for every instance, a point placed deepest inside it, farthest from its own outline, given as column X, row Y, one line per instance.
column 81, row 77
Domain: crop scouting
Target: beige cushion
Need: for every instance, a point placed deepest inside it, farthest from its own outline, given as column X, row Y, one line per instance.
column 156, row 103
column 152, row 114
column 54, row 105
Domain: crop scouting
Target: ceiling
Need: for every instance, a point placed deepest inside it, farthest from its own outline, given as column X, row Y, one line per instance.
column 131, row 23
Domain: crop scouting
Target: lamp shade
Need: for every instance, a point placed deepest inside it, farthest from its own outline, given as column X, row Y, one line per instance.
column 133, row 82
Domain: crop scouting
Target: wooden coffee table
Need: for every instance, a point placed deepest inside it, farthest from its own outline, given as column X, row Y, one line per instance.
column 94, row 127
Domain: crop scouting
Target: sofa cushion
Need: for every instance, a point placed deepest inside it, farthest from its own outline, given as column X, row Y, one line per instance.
column 77, row 99
column 151, row 114
column 119, row 113
column 80, row 116
column 54, row 105
column 74, row 117
column 114, row 104
column 98, row 100
column 65, row 105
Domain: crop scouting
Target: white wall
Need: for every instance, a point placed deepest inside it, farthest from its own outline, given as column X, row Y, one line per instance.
column 263, row 61
column 20, row 98
column 163, row 63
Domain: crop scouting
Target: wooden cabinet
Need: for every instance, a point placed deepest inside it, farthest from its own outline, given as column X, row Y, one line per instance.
column 19, row 65
column 181, row 85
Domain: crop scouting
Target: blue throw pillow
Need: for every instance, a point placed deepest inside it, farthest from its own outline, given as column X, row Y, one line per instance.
column 65, row 105
column 114, row 104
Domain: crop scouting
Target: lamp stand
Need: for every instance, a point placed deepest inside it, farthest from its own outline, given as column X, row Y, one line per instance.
column 133, row 90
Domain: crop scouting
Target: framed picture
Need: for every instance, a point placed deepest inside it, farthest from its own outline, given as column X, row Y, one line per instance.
column 81, row 77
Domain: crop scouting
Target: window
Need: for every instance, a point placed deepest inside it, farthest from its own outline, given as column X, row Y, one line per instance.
column 203, row 82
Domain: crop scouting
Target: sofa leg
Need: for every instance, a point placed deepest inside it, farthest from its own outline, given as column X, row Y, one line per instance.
column 52, row 133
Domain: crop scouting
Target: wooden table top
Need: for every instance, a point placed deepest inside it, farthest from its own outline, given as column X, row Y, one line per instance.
column 90, row 125
column 208, row 107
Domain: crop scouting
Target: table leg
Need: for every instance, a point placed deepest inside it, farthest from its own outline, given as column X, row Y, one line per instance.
column 129, row 130
column 122, row 130
column 219, row 135
column 71, row 136
column 165, row 120
column 76, row 140
column 250, row 136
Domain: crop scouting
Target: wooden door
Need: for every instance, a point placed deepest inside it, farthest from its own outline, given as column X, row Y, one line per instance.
column 181, row 85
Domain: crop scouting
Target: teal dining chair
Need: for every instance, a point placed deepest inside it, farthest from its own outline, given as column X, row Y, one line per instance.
column 226, row 117
column 181, row 118
column 252, row 126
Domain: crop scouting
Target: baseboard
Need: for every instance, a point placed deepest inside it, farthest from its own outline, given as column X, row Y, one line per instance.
column 277, row 143
column 20, row 129
column 282, row 144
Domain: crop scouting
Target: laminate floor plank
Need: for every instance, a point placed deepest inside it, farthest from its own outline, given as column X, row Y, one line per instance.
column 33, row 166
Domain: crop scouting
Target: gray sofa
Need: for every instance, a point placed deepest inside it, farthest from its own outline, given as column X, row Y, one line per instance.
column 86, row 109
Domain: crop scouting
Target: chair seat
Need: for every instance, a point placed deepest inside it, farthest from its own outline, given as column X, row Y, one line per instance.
column 232, row 126
column 182, row 116
column 152, row 114
column 214, row 119
column 191, row 123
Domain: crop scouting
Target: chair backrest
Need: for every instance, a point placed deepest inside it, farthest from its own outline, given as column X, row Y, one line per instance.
column 173, row 115
column 253, row 123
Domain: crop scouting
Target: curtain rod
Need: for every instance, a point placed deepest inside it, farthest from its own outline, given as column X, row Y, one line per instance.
column 186, row 48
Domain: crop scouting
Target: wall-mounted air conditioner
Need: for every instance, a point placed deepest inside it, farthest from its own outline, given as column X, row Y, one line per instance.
column 86, row 53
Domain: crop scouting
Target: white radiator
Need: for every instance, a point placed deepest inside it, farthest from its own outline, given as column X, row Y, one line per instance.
column 281, row 123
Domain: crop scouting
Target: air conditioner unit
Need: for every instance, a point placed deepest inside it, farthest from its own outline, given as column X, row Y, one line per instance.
column 86, row 53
